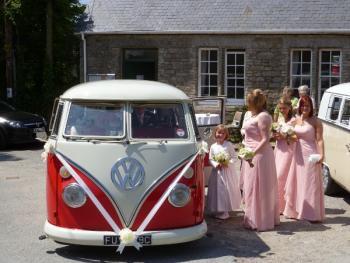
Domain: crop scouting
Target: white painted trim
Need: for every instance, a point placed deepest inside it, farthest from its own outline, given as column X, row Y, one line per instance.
column 319, row 69
column 199, row 70
column 235, row 101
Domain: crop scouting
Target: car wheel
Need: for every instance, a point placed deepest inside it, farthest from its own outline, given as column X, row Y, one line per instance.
column 330, row 187
column 3, row 143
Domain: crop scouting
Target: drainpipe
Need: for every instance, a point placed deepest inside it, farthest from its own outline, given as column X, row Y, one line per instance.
column 84, row 54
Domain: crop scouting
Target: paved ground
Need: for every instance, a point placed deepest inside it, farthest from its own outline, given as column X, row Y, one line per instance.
column 22, row 215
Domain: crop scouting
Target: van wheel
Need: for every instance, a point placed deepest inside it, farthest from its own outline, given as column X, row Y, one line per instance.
column 329, row 186
column 3, row 143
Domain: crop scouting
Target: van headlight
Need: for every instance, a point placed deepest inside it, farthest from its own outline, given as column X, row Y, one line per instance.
column 74, row 196
column 180, row 195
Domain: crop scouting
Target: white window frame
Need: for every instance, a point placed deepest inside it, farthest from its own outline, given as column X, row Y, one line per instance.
column 320, row 71
column 235, row 101
column 199, row 70
column 291, row 68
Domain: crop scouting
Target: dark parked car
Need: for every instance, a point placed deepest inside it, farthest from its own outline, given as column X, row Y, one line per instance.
column 19, row 127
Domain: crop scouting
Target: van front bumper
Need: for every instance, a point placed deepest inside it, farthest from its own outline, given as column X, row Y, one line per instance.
column 95, row 238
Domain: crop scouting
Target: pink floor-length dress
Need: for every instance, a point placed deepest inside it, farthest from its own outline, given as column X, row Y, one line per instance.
column 260, row 181
column 283, row 159
column 224, row 194
column 303, row 191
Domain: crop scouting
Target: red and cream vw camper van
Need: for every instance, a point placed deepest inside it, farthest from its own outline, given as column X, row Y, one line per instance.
column 124, row 155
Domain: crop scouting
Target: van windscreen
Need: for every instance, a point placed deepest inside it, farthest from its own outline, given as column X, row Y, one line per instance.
column 95, row 120
column 158, row 121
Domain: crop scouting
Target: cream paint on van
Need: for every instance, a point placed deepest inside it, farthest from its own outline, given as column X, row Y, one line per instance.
column 337, row 153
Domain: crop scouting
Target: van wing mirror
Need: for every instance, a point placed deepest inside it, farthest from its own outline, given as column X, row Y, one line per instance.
column 207, row 133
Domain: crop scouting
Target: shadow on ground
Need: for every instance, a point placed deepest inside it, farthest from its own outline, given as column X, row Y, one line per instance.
column 224, row 238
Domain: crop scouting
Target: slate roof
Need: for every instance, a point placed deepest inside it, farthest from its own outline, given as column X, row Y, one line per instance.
column 219, row 16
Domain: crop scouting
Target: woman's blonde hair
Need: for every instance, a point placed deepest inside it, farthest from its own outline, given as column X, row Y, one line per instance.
column 256, row 99
column 222, row 127
column 284, row 100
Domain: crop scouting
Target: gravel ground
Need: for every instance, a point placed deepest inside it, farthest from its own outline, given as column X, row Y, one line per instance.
column 22, row 215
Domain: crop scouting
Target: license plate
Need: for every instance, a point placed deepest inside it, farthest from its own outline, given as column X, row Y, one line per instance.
column 115, row 240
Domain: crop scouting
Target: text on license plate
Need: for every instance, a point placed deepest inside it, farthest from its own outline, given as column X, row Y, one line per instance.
column 115, row 240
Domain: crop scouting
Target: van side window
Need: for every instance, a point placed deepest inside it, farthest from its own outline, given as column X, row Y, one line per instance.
column 335, row 108
column 345, row 117
column 56, row 119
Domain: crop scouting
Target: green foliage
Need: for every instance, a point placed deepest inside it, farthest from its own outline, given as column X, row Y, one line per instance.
column 37, row 81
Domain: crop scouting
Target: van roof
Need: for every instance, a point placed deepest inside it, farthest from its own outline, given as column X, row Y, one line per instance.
column 131, row 90
column 343, row 88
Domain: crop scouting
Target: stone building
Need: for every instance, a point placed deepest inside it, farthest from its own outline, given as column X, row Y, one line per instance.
column 220, row 47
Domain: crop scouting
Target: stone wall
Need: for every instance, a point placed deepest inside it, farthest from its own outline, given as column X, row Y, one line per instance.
column 267, row 57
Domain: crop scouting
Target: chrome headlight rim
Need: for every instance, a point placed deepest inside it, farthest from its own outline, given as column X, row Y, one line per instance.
column 185, row 189
column 74, row 187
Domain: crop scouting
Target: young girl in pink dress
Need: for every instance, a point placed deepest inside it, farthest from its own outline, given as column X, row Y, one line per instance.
column 304, row 191
column 223, row 187
column 284, row 149
column 259, row 174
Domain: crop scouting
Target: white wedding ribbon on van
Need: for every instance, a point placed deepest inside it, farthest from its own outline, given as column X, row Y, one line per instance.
column 127, row 236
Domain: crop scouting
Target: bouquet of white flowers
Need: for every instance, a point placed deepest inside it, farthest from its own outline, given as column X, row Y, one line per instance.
column 276, row 127
column 288, row 132
column 246, row 154
column 222, row 158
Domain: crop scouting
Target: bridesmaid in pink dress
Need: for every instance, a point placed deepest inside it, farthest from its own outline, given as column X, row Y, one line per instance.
column 284, row 149
column 304, row 191
column 260, row 180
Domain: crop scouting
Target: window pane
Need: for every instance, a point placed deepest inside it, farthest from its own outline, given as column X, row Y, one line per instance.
column 231, row 93
column 213, row 67
column 213, row 80
column 295, row 82
column 231, row 82
column 325, row 83
column 213, row 55
column 326, row 55
column 204, row 91
column 306, row 69
column 296, row 70
column 325, row 69
column 296, row 56
column 345, row 118
column 335, row 57
column 306, row 56
column 204, row 55
column 204, row 80
column 334, row 81
column 240, row 59
column 335, row 109
column 231, row 59
column 240, row 93
column 305, row 81
column 231, row 71
column 204, row 67
column 240, row 72
column 213, row 91
column 335, row 70
column 240, row 82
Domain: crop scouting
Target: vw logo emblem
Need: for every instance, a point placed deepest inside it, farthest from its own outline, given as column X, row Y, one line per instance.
column 127, row 174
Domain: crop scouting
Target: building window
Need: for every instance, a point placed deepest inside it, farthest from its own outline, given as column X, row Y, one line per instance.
column 235, row 76
column 330, row 71
column 208, row 72
column 301, row 61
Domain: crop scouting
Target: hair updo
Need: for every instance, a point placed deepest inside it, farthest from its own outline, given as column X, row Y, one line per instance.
column 256, row 100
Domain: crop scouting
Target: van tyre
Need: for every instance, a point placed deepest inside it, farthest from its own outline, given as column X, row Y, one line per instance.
column 330, row 187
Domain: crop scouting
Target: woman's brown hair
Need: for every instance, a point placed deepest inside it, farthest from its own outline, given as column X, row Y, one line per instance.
column 257, row 100
column 286, row 101
column 302, row 102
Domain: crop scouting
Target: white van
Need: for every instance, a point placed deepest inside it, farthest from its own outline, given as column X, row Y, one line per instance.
column 124, row 155
column 334, row 113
